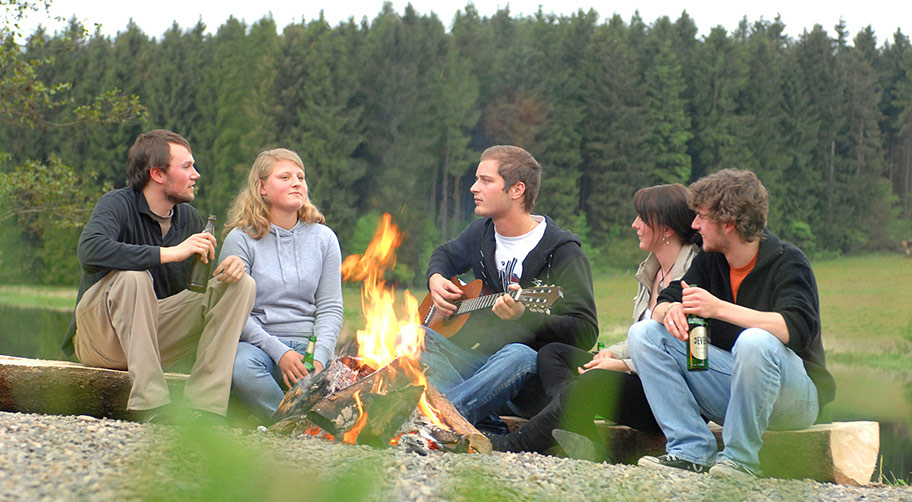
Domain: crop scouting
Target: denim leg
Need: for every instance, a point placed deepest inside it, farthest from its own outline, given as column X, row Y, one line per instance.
column 770, row 389
column 255, row 379
column 677, row 396
column 448, row 364
column 498, row 380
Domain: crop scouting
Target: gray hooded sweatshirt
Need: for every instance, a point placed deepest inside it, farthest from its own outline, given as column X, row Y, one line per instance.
column 299, row 287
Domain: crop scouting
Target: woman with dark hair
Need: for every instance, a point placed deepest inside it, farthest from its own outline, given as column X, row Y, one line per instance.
column 580, row 385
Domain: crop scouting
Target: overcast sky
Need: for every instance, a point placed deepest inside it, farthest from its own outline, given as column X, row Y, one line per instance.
column 155, row 17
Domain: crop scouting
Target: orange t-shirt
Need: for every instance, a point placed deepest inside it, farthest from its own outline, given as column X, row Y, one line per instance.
column 736, row 275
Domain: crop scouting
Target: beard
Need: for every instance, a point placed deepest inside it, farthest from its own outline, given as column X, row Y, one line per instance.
column 178, row 198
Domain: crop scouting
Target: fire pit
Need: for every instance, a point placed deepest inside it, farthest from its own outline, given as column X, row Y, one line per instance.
column 352, row 403
column 381, row 397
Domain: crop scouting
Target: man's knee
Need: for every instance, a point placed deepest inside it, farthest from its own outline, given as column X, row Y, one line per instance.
column 131, row 279
column 243, row 287
column 755, row 343
column 520, row 356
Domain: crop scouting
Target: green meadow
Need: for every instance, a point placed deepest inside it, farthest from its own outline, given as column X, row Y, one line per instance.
column 867, row 322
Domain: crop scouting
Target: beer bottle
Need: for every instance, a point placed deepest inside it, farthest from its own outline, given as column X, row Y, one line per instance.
column 600, row 346
column 309, row 354
column 200, row 272
column 697, row 343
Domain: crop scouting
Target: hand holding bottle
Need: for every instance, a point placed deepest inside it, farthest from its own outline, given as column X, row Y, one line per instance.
column 696, row 300
column 291, row 364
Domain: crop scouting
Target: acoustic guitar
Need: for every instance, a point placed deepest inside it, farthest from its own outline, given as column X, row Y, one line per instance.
column 536, row 299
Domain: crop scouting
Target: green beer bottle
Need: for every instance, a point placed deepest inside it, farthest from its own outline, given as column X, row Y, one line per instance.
column 200, row 272
column 697, row 343
column 600, row 346
column 309, row 354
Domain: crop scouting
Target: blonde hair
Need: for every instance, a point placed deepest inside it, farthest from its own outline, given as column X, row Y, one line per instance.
column 250, row 209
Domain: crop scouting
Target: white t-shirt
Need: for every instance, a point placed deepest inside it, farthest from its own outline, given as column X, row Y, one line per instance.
column 511, row 251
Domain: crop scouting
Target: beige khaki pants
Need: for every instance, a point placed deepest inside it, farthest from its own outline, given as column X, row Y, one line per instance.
column 120, row 324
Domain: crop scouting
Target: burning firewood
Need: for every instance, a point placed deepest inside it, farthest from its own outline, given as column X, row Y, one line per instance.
column 342, row 372
column 382, row 396
column 456, row 422
column 375, row 408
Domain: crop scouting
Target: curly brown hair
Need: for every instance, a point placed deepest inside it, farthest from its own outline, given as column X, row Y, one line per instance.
column 733, row 195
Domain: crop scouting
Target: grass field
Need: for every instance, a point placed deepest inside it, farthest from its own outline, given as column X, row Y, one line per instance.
column 44, row 297
column 864, row 302
column 867, row 325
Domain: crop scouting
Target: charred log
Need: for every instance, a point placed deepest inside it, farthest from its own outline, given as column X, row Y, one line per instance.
column 342, row 372
column 456, row 422
column 386, row 413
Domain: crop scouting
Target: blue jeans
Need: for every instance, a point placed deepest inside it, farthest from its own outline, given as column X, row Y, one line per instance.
column 256, row 378
column 476, row 384
column 761, row 384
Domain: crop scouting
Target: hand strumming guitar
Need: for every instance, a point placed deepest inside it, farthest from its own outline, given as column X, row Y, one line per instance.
column 443, row 292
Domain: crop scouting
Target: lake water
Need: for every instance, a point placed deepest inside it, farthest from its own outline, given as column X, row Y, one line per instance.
column 862, row 394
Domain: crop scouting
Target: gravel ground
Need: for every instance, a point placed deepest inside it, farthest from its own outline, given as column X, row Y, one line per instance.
column 49, row 458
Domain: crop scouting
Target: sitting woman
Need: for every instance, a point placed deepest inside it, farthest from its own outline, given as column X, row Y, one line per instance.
column 581, row 386
column 295, row 260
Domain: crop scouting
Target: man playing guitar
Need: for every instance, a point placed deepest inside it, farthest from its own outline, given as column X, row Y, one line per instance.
column 491, row 361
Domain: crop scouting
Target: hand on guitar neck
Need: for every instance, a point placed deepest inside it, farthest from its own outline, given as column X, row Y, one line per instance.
column 445, row 307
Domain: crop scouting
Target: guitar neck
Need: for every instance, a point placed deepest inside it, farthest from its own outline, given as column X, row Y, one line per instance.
column 478, row 303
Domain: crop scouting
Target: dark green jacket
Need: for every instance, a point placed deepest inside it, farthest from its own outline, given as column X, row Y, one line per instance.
column 781, row 281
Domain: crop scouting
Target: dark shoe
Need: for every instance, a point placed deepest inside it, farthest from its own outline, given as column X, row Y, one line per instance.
column 577, row 446
column 730, row 469
column 162, row 415
column 671, row 462
column 498, row 441
column 492, row 424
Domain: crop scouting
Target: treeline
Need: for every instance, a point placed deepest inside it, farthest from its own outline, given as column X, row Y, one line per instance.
column 391, row 115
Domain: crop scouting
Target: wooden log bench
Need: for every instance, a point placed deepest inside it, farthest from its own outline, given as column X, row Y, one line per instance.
column 68, row 388
column 838, row 452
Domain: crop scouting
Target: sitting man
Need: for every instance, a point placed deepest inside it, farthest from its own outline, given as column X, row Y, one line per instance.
column 133, row 312
column 766, row 362
column 493, row 356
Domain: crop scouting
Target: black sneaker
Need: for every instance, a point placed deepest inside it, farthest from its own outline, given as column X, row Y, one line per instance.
column 730, row 469
column 498, row 441
column 671, row 462
column 162, row 415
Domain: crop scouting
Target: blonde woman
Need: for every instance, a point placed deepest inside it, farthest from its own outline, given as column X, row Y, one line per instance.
column 294, row 258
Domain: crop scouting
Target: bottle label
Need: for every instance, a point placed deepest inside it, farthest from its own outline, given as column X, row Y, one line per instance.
column 699, row 343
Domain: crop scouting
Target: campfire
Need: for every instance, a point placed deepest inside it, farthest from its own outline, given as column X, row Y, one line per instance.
column 381, row 396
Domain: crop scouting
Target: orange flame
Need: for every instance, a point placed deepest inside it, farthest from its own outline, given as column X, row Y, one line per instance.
column 352, row 434
column 387, row 335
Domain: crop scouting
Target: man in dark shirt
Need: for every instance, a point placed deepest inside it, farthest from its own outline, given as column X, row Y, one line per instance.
column 491, row 361
column 133, row 311
column 766, row 362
